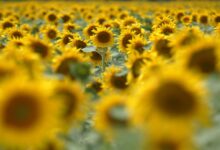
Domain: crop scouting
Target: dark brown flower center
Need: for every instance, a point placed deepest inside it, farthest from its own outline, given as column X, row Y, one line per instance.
column 91, row 29
column 126, row 40
column 103, row 37
column 67, row 38
column 7, row 25
column 136, row 67
column 163, row 48
column 204, row 60
column 64, row 67
column 204, row 19
column 52, row 17
column 16, row 34
column 139, row 47
column 119, row 82
column 174, row 99
column 79, row 44
column 51, row 34
column 167, row 145
column 40, row 48
column 96, row 56
column 21, row 111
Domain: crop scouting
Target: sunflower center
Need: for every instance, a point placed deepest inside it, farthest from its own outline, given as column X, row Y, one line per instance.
column 103, row 37
column 168, row 31
column 21, row 111
column 167, row 145
column 96, row 56
column 217, row 19
column 136, row 30
column 69, row 102
column 204, row 19
column 136, row 67
column 65, row 18
column 52, row 34
column 97, row 86
column 119, row 82
column 79, row 44
column 40, row 48
column 205, row 60
column 174, row 99
column 52, row 17
column 163, row 48
column 7, row 25
column 64, row 67
column 126, row 40
column 90, row 30
column 17, row 34
column 139, row 47
column 66, row 39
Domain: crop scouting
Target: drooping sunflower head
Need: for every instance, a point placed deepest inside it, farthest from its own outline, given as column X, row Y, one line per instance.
column 103, row 37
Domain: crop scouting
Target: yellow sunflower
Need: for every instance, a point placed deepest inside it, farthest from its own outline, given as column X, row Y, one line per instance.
column 124, row 40
column 171, row 97
column 137, row 45
column 28, row 114
column 103, row 37
column 89, row 30
column 73, row 100
column 107, row 118
column 62, row 63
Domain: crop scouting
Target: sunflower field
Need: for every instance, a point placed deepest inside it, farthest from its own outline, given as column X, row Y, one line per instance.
column 109, row 75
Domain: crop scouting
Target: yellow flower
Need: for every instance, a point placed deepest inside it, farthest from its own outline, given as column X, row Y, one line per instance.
column 107, row 118
column 114, row 80
column 137, row 45
column 62, row 63
column 124, row 40
column 28, row 114
column 172, row 95
column 90, row 30
column 50, row 32
column 103, row 37
column 73, row 101
column 202, row 57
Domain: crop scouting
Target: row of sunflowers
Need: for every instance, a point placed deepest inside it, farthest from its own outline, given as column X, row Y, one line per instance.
column 109, row 76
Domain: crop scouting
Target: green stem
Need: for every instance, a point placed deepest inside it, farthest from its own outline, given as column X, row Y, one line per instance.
column 102, row 52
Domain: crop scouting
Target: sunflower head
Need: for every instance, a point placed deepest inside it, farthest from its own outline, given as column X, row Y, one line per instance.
column 103, row 37
column 124, row 40
column 137, row 45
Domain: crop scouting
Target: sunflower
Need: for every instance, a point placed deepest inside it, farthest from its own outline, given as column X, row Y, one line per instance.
column 62, row 63
column 216, row 19
column 66, row 18
column 124, row 40
column 78, row 43
column 128, row 21
column 90, row 30
column 187, row 19
column 202, row 57
column 52, row 144
column 204, row 19
column 6, row 24
column 103, row 37
column 73, row 101
column 51, row 17
column 15, row 33
column 39, row 47
column 169, row 139
column 70, row 27
column 136, row 29
column 114, row 79
column 170, row 96
column 96, row 85
column 50, row 32
column 66, row 38
column 24, row 113
column 137, row 45
column 186, row 37
column 107, row 118
column 162, row 46
column 136, row 62
column 96, row 58
column 166, row 29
